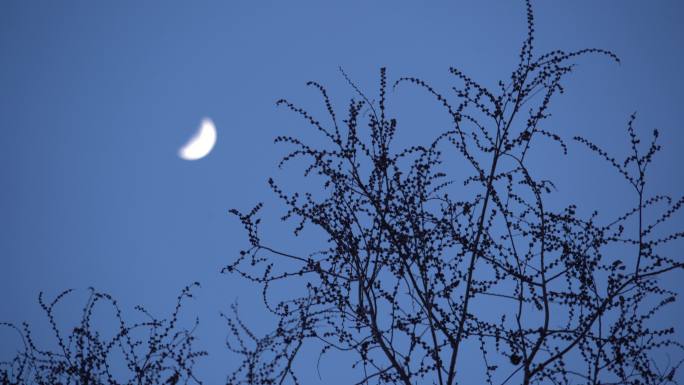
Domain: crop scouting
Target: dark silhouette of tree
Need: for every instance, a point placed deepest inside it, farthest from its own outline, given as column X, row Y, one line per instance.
column 156, row 351
column 420, row 269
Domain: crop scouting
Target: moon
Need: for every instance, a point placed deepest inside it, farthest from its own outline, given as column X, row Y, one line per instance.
column 201, row 144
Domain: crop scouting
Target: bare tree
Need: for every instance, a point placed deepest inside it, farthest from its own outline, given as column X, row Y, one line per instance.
column 156, row 351
column 420, row 269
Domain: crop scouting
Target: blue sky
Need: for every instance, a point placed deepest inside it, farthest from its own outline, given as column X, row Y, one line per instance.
column 96, row 98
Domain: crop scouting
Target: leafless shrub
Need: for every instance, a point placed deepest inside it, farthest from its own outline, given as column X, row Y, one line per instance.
column 156, row 351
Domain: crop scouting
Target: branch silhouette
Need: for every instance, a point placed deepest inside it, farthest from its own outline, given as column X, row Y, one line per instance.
column 419, row 270
column 156, row 351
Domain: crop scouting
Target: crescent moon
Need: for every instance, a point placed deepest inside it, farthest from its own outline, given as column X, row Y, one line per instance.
column 201, row 144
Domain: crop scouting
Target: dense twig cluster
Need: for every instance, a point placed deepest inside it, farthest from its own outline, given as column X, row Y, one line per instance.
column 419, row 270
column 156, row 351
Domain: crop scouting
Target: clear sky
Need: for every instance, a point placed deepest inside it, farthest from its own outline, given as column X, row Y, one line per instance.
column 96, row 98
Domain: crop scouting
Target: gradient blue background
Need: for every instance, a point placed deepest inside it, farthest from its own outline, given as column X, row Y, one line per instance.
column 96, row 98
